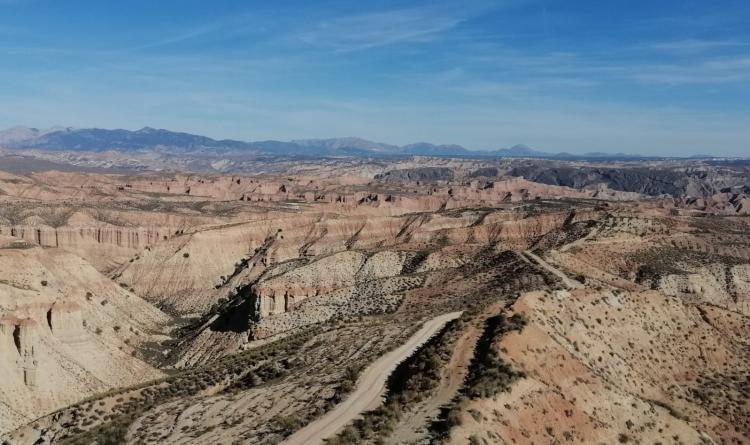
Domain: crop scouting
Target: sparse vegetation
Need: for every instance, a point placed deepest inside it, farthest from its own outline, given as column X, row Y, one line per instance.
column 412, row 381
column 320, row 337
column 488, row 373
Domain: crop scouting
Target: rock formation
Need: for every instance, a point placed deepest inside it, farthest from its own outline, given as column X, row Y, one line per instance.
column 66, row 332
column 199, row 307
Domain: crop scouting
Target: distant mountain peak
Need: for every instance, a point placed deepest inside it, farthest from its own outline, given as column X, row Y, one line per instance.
column 149, row 138
column 521, row 148
column 18, row 133
column 349, row 142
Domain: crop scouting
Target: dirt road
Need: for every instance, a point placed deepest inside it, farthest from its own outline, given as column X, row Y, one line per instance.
column 370, row 387
column 569, row 282
column 413, row 428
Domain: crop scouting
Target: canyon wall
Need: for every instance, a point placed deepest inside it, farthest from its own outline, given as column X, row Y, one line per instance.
column 66, row 332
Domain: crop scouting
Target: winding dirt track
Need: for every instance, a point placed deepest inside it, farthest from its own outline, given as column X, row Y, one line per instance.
column 413, row 428
column 370, row 387
column 569, row 282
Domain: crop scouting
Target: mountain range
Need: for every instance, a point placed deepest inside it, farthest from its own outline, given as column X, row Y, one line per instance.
column 147, row 138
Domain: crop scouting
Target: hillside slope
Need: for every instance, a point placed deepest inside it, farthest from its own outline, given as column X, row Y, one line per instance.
column 66, row 332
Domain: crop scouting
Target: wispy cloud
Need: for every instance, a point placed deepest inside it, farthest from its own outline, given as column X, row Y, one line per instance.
column 327, row 31
column 371, row 30
column 190, row 34
column 504, row 71
column 235, row 26
column 697, row 45
column 715, row 71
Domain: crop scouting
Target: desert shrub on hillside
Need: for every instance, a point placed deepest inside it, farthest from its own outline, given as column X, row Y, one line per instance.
column 489, row 374
column 409, row 383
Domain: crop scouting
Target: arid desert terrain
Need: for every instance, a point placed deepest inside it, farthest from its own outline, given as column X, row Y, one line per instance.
column 404, row 300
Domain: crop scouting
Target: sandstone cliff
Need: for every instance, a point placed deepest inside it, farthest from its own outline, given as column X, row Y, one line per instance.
column 66, row 332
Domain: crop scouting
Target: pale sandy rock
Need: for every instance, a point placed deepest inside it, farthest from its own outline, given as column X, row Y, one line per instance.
column 63, row 328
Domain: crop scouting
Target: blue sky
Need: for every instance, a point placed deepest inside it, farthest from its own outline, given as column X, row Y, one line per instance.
column 654, row 77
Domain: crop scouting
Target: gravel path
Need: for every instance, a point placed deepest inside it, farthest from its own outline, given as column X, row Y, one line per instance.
column 569, row 282
column 370, row 387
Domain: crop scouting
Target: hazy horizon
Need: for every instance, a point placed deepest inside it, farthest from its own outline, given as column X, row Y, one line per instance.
column 667, row 79
column 342, row 137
